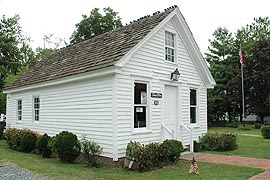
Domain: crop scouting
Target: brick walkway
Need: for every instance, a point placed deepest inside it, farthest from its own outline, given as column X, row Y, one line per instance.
column 235, row 160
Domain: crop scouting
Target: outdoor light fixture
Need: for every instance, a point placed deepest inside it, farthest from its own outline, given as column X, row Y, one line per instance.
column 175, row 75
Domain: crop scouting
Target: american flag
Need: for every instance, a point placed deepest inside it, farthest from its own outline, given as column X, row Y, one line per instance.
column 194, row 167
column 241, row 56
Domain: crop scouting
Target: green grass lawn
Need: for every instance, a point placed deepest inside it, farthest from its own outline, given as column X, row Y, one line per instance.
column 235, row 130
column 52, row 168
column 247, row 145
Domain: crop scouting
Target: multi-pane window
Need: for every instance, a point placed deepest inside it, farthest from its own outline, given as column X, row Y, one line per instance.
column 140, row 105
column 193, row 106
column 169, row 47
column 19, row 109
column 36, row 108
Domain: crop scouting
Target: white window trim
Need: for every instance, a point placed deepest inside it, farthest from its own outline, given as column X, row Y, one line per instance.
column 175, row 46
column 148, row 127
column 17, row 117
column 33, row 109
column 197, row 124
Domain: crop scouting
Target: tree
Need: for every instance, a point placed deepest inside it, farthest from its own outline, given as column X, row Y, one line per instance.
column 10, row 35
column 95, row 24
column 257, row 80
column 223, row 57
column 222, row 60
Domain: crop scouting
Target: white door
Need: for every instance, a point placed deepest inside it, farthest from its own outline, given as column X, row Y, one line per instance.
column 170, row 111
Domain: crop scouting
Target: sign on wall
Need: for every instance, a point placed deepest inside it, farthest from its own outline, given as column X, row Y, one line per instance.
column 156, row 95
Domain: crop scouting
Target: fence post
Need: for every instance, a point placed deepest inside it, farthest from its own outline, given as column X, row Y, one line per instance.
column 2, row 117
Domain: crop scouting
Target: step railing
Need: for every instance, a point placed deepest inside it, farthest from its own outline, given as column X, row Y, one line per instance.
column 190, row 131
column 165, row 128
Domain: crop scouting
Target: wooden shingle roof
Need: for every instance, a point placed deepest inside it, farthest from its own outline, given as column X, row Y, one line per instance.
column 96, row 53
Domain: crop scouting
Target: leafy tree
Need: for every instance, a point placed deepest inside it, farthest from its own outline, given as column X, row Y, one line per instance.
column 257, row 71
column 42, row 53
column 10, row 35
column 222, row 60
column 96, row 24
column 225, row 99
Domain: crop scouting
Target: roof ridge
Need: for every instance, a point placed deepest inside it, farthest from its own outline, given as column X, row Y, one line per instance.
column 171, row 8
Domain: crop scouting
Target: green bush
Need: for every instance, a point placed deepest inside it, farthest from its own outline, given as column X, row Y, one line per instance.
column 266, row 132
column 67, row 146
column 257, row 126
column 174, row 149
column 217, row 142
column 244, row 128
column 153, row 155
column 28, row 142
column 42, row 146
column 133, row 148
column 196, row 146
column 90, row 151
column 14, row 137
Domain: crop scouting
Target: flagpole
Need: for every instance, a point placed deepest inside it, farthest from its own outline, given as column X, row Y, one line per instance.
column 243, row 95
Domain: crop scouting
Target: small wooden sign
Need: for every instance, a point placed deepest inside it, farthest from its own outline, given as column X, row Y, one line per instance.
column 156, row 95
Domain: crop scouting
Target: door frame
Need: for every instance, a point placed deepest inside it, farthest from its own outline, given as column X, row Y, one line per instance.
column 177, row 85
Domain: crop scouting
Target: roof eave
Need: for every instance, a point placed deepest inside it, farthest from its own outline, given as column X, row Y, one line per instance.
column 68, row 79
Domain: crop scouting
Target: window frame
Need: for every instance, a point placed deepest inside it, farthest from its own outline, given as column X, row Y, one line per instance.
column 19, row 110
column 193, row 106
column 147, row 108
column 170, row 47
column 36, row 109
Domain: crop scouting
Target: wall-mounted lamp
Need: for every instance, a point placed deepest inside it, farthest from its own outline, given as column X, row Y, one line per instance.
column 175, row 75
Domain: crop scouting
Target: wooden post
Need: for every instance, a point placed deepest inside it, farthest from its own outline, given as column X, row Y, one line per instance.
column 191, row 140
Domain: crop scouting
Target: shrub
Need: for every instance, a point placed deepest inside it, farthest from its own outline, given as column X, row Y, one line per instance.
column 218, row 142
column 196, row 146
column 154, row 154
column 226, row 142
column 174, row 149
column 257, row 126
column 90, row 151
column 233, row 124
column 245, row 128
column 133, row 148
column 266, row 132
column 67, row 146
column 28, row 142
column 42, row 146
column 14, row 136
column 137, row 152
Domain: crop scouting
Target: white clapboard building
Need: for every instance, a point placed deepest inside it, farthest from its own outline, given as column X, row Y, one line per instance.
column 146, row 82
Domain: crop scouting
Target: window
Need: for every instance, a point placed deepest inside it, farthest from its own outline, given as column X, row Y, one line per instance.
column 19, row 109
column 169, row 47
column 193, row 106
column 140, row 105
column 36, row 108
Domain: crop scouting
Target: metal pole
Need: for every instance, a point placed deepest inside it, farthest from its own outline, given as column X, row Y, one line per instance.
column 243, row 95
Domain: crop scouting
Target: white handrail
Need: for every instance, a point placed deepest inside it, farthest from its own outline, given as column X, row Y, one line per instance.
column 182, row 124
column 170, row 131
column 190, row 130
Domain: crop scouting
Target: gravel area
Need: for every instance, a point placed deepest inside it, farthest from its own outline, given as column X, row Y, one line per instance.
column 9, row 172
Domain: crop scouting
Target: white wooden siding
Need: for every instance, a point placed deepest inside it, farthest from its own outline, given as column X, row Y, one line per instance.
column 84, row 108
column 149, row 61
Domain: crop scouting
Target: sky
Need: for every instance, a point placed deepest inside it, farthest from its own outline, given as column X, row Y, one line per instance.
column 58, row 17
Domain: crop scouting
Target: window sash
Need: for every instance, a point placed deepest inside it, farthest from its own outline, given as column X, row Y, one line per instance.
column 169, row 46
column 193, row 106
column 140, row 105
column 193, row 114
column 19, row 110
column 36, row 108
